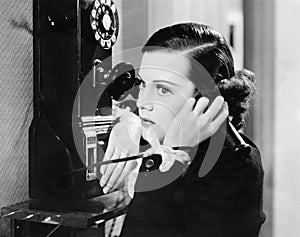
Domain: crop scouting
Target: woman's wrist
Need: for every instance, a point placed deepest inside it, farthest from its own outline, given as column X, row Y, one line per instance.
column 168, row 144
column 170, row 155
column 177, row 147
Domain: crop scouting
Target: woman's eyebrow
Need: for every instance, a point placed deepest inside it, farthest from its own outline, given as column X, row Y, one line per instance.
column 158, row 81
column 163, row 81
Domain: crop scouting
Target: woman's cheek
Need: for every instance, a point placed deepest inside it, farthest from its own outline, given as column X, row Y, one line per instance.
column 162, row 124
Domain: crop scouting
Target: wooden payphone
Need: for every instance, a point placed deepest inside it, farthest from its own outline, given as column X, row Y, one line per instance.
column 73, row 42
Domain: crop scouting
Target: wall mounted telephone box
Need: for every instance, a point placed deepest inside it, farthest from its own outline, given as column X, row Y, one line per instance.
column 65, row 48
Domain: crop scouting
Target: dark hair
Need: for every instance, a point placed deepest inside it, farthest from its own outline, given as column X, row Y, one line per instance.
column 209, row 48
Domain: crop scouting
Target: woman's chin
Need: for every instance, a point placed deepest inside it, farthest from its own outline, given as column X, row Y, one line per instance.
column 160, row 132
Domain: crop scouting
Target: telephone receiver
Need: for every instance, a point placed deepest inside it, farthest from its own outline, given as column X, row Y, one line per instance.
column 233, row 140
column 120, row 84
column 123, row 81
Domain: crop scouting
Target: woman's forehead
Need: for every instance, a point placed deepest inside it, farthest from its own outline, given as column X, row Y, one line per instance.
column 162, row 65
column 172, row 61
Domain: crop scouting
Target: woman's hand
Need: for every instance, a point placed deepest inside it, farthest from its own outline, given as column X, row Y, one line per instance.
column 123, row 142
column 192, row 126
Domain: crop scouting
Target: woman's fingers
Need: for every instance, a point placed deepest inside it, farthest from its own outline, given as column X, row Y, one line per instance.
column 119, row 174
column 115, row 173
column 211, row 120
column 220, row 118
column 212, row 124
column 215, row 107
column 110, row 168
column 109, row 152
column 201, row 105
column 188, row 106
column 212, row 111
column 129, row 167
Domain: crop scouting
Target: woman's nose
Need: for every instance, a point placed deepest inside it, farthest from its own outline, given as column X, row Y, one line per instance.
column 144, row 101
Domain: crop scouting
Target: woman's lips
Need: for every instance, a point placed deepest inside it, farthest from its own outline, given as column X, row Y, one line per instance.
column 146, row 122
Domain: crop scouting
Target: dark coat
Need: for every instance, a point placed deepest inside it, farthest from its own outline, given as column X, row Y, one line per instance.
column 227, row 202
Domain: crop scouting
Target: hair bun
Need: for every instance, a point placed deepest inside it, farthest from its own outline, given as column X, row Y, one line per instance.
column 245, row 74
column 237, row 92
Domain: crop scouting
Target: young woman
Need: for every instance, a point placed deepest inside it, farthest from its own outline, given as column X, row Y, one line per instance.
column 227, row 201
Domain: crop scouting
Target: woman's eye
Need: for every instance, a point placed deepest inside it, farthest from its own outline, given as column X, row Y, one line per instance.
column 163, row 90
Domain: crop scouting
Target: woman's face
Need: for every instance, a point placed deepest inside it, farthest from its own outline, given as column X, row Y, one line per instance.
column 164, row 90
